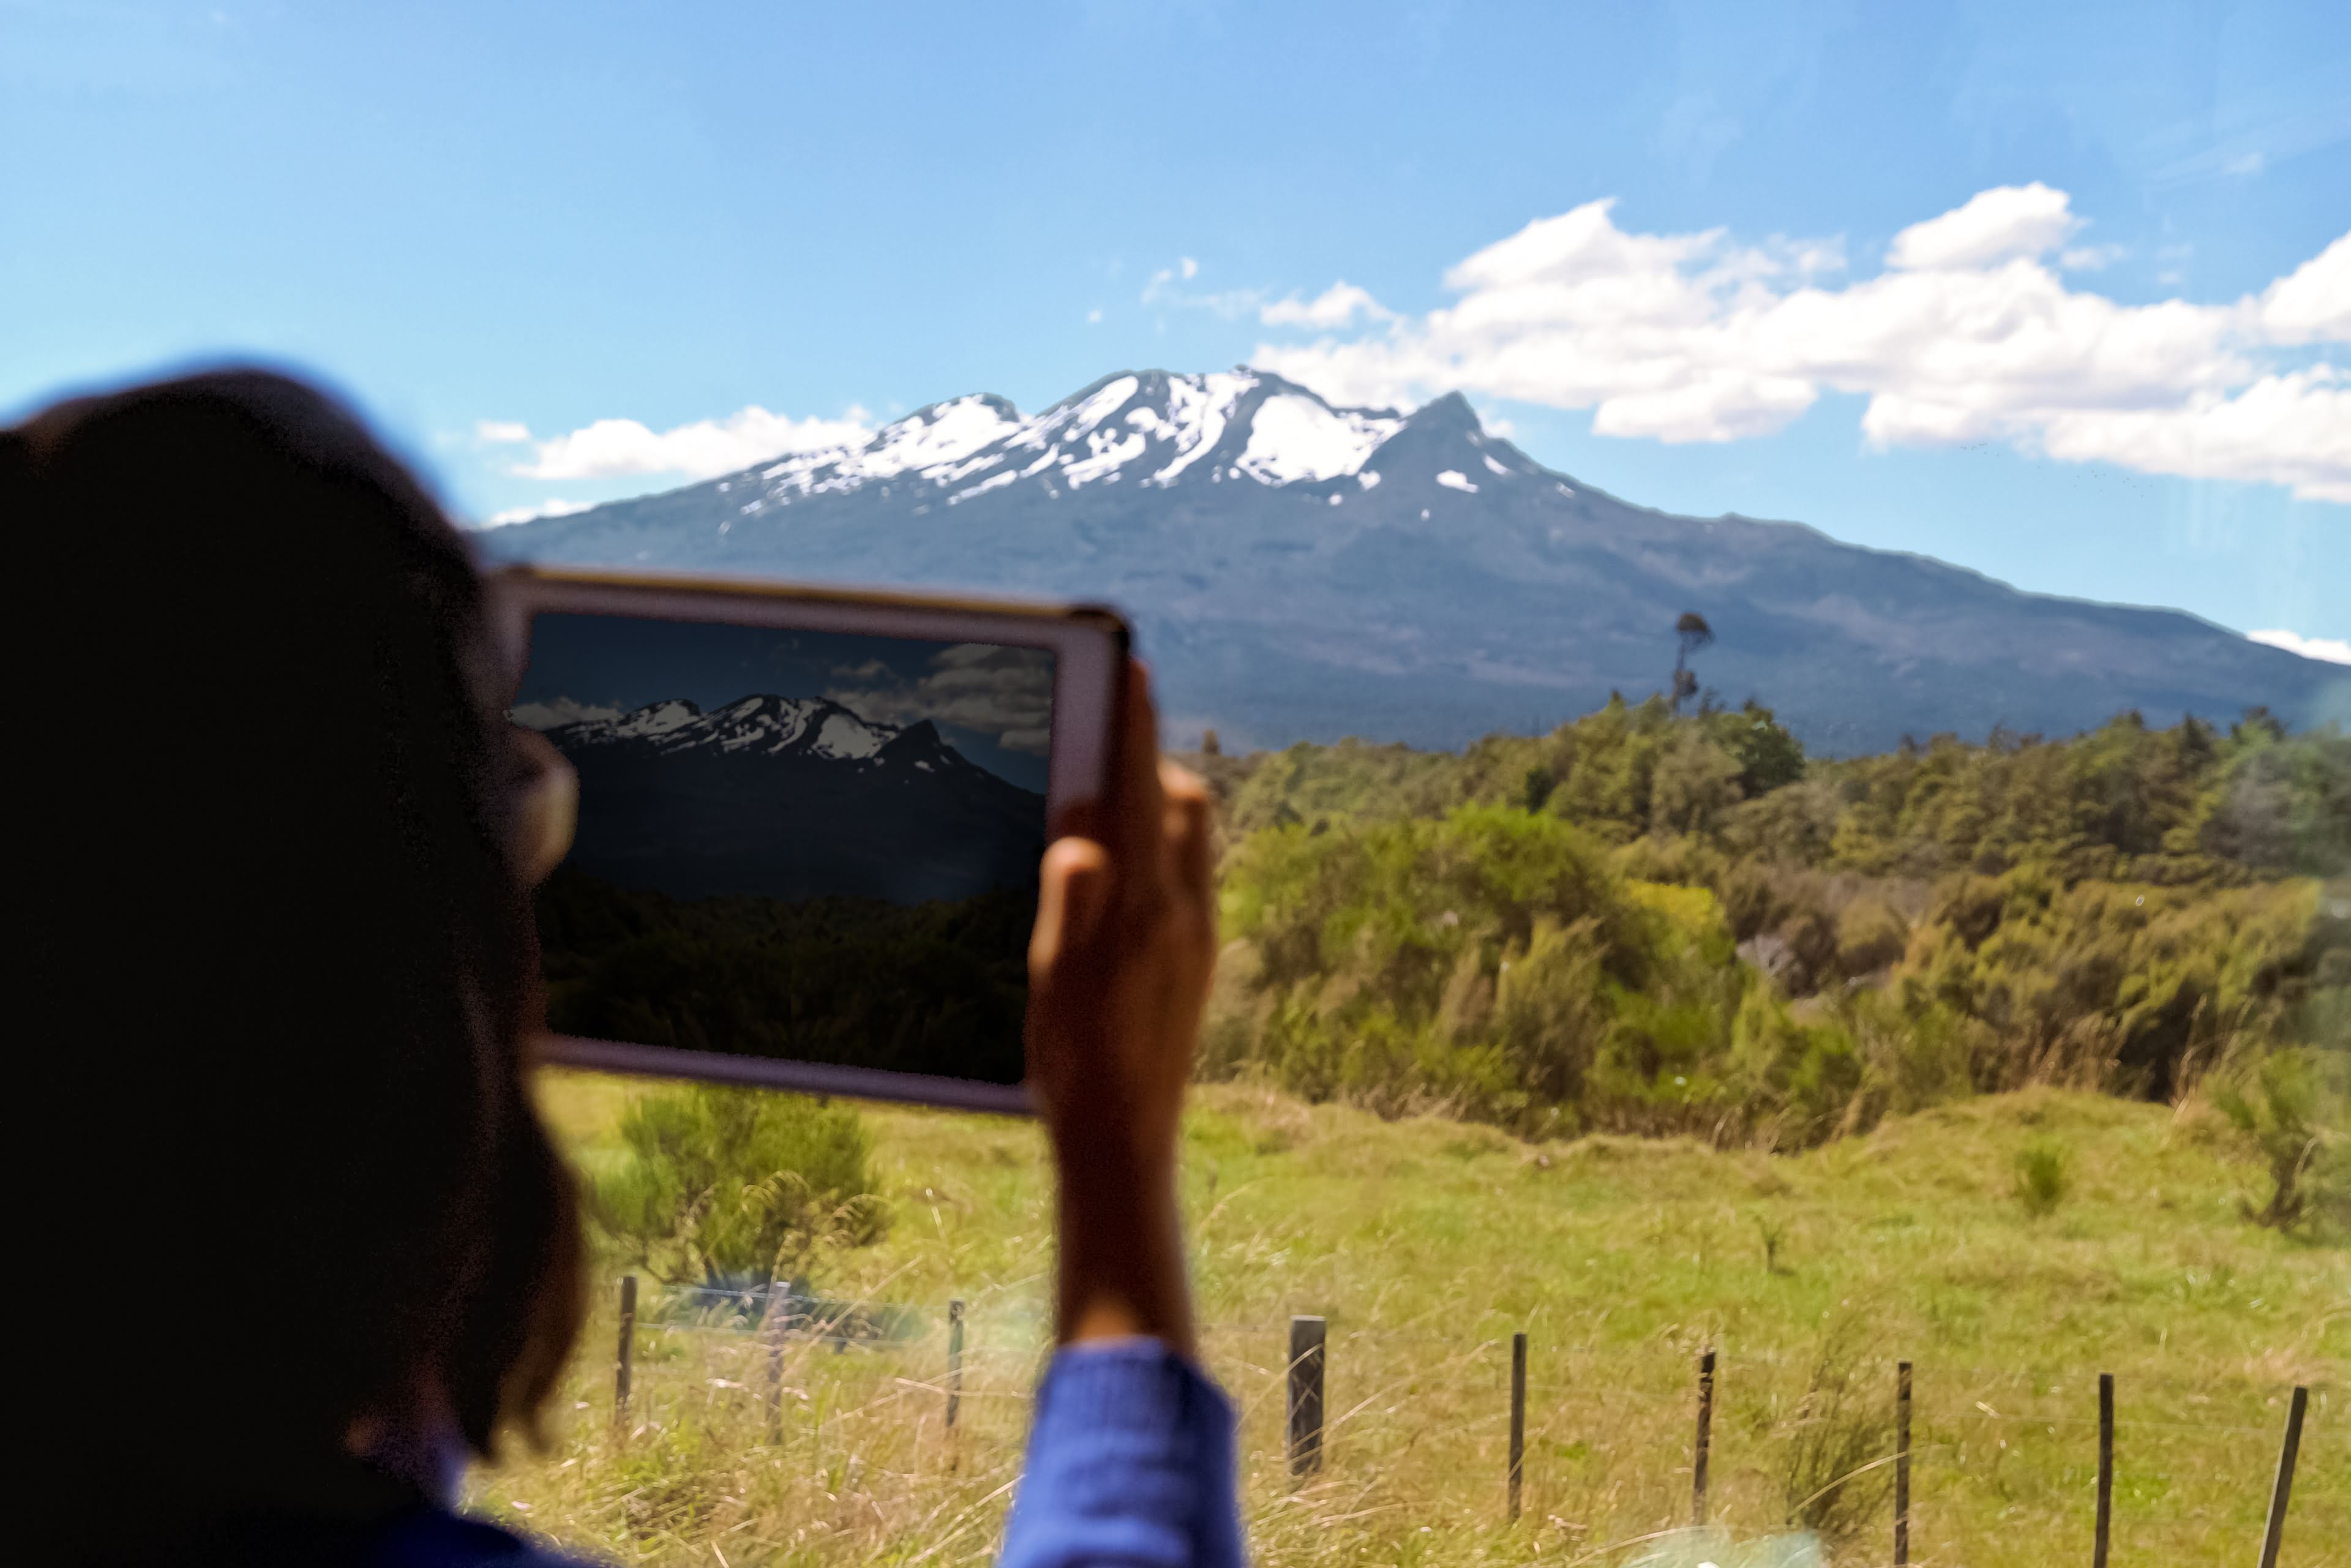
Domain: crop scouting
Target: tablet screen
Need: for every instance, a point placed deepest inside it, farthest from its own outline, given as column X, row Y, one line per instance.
column 812, row 846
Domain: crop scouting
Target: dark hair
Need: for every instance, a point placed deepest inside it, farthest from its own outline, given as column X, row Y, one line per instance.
column 283, row 974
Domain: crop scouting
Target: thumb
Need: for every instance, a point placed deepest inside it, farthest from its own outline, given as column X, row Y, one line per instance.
column 1073, row 890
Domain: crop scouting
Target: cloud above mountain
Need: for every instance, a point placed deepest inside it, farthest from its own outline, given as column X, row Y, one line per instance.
column 2333, row 650
column 613, row 448
column 553, row 506
column 1970, row 332
column 1004, row 692
column 558, row 711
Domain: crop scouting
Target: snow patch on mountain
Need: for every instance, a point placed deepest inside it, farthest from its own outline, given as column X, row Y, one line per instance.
column 1295, row 436
column 846, row 734
column 993, row 482
column 767, row 723
column 1102, row 404
column 933, row 439
column 1199, row 408
column 654, row 718
column 1107, row 451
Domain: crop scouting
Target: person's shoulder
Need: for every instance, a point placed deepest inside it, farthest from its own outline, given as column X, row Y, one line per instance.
column 419, row 1537
column 436, row 1538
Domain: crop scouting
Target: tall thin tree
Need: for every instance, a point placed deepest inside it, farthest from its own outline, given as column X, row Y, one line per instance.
column 1690, row 634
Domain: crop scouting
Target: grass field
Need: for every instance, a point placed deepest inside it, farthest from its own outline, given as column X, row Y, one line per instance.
column 1427, row 1242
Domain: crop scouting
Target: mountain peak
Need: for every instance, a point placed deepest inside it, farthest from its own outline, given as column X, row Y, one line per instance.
column 921, row 735
column 1451, row 412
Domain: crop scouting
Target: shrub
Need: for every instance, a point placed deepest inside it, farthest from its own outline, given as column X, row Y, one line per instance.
column 1549, row 1013
column 2127, row 984
column 736, row 1185
column 2296, row 1120
column 2044, row 1171
column 1492, row 961
column 1796, row 1076
column 1870, row 936
column 1915, row 1051
column 1540, row 782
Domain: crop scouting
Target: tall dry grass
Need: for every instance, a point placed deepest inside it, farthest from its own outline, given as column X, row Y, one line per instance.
column 1426, row 1244
column 854, row 1461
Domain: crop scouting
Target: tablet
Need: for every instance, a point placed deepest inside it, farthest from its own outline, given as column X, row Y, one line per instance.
column 810, row 823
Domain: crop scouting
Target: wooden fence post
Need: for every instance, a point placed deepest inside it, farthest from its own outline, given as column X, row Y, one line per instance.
column 628, row 1344
column 1704, row 1433
column 955, row 1361
column 2106, row 1469
column 2283, row 1487
column 1901, row 1464
column 1307, row 1339
column 1517, row 1417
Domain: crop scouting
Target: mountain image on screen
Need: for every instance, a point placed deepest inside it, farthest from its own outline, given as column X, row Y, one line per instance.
column 784, row 877
column 792, row 798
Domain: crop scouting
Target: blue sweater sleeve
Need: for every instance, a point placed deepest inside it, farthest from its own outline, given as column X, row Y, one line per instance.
column 1130, row 1465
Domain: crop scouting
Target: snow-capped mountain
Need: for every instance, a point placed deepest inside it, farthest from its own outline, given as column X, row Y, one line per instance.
column 1146, row 430
column 1302, row 571
column 754, row 726
column 792, row 798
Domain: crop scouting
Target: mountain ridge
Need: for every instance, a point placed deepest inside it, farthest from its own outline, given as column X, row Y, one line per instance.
column 1303, row 571
column 791, row 798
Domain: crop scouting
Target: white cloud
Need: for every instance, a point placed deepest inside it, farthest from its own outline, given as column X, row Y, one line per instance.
column 610, row 448
column 1093, row 318
column 553, row 506
column 1004, row 692
column 562, row 710
column 2090, row 258
column 1334, row 306
column 2293, row 428
column 2313, row 302
column 500, row 432
column 1967, row 335
column 1191, row 268
column 1998, row 224
column 2333, row 650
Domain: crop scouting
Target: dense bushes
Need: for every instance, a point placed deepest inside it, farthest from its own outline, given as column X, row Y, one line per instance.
column 1491, row 960
column 1650, row 924
column 2123, row 802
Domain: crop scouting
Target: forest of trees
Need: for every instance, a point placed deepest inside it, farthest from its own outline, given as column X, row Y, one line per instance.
column 928, row 987
column 1646, row 922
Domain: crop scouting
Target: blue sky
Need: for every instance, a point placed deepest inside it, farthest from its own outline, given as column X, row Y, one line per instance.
column 482, row 220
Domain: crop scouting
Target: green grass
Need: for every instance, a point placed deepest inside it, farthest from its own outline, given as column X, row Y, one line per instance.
column 1427, row 1242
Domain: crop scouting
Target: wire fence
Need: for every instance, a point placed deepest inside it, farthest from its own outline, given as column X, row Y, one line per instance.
column 1594, row 1446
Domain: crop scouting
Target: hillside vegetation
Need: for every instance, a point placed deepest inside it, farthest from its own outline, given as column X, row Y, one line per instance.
column 1650, row 924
